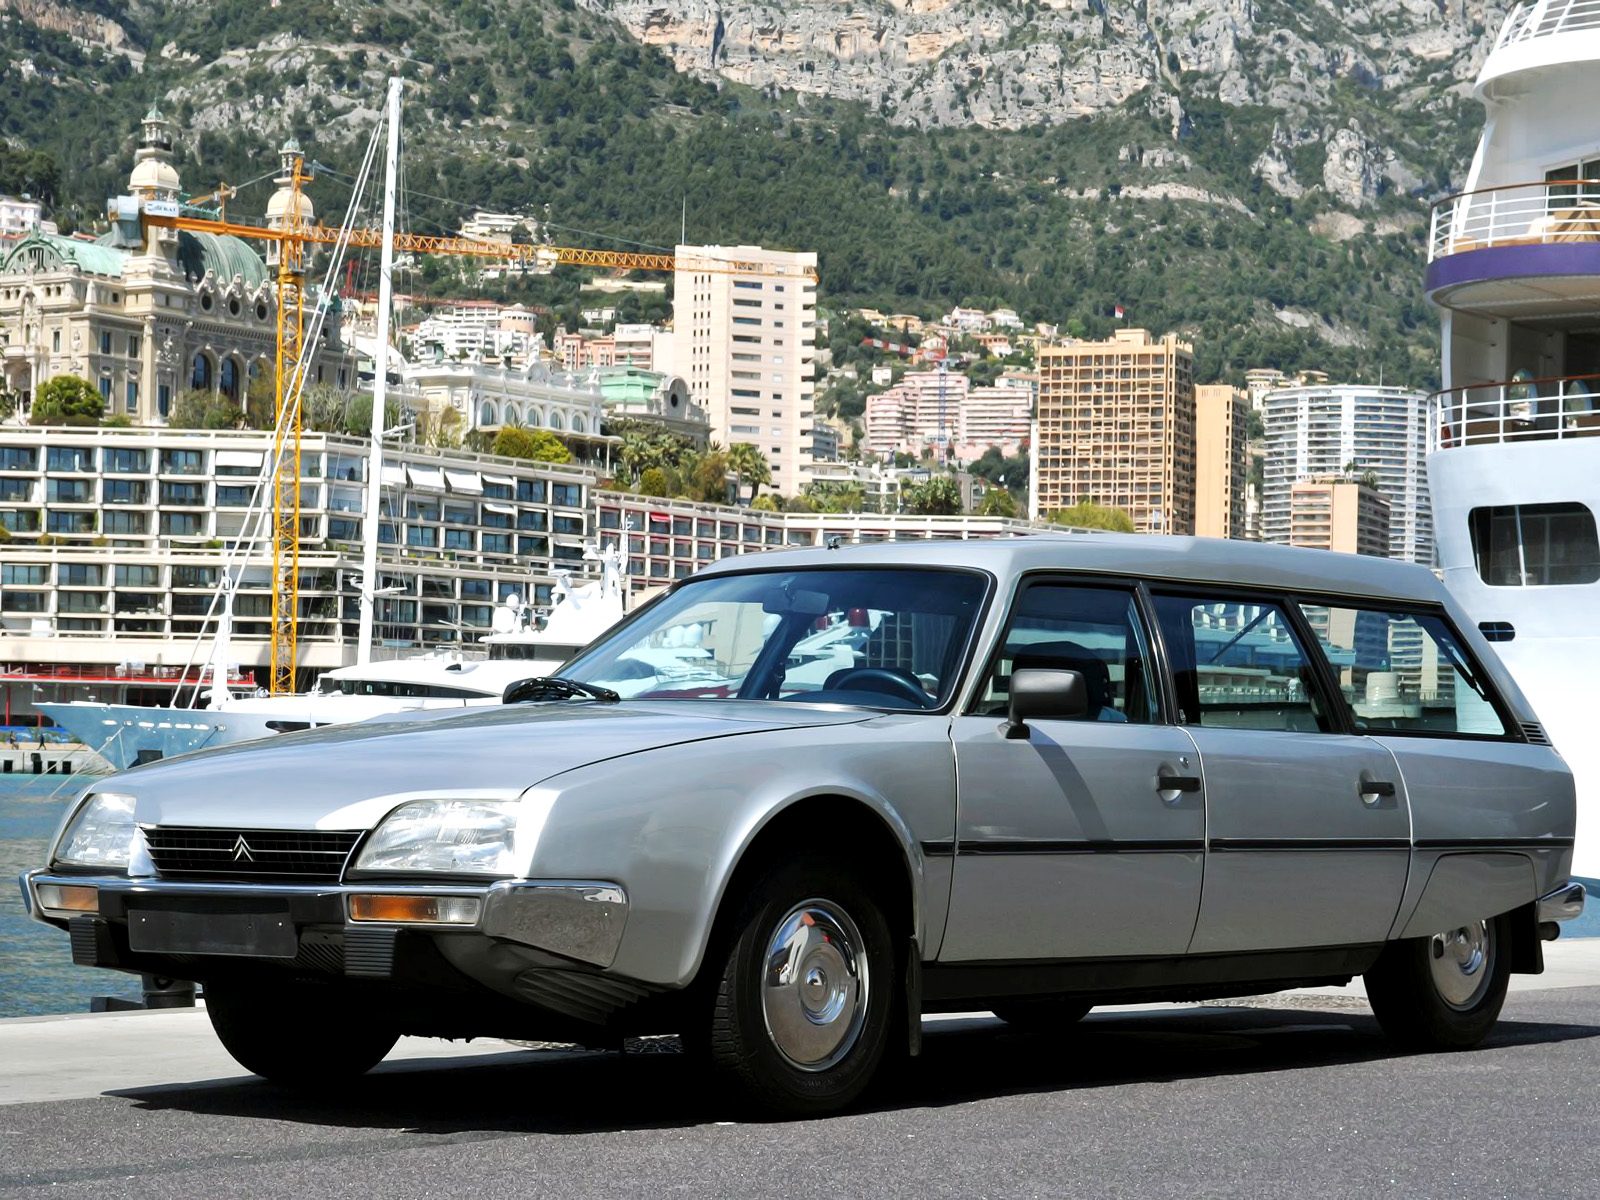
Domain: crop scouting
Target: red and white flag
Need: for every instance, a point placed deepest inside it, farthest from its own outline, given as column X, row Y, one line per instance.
column 1119, row 312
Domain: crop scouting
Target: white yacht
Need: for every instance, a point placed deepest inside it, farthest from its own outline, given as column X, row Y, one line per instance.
column 525, row 645
column 1514, row 436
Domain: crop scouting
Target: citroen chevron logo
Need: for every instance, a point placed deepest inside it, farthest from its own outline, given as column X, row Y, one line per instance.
column 241, row 851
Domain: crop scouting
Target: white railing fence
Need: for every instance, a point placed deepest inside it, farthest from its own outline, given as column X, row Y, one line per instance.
column 1518, row 410
column 1546, row 18
column 1518, row 214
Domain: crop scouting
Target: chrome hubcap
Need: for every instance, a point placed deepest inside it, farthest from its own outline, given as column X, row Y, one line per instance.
column 1462, row 961
column 814, row 985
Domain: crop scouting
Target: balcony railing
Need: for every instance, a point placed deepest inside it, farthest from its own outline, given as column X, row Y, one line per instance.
column 1545, row 18
column 1519, row 214
column 1519, row 410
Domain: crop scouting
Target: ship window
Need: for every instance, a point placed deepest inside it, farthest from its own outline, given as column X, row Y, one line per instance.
column 1535, row 545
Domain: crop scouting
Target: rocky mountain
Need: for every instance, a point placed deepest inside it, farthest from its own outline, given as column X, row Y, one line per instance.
column 1253, row 172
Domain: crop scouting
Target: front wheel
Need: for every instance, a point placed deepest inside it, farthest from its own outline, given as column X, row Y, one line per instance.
column 297, row 1035
column 803, row 1003
column 1443, row 992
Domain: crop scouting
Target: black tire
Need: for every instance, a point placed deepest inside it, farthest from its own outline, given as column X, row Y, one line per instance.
column 297, row 1035
column 1429, row 994
column 1042, row 1014
column 807, row 897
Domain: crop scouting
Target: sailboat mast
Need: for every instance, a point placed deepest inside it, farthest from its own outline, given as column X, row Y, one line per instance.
column 369, row 526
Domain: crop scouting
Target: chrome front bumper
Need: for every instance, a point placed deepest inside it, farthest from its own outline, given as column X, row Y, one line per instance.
column 1563, row 904
column 577, row 919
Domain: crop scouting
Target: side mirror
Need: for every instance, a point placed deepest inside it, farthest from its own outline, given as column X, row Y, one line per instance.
column 1044, row 692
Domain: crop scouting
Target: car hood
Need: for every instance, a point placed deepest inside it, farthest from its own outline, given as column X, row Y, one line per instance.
column 350, row 776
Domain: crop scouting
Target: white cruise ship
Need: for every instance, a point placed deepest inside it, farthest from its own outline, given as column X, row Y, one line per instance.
column 1514, row 436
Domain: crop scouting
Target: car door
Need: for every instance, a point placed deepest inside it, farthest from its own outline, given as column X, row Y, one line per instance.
column 1084, row 839
column 1308, row 834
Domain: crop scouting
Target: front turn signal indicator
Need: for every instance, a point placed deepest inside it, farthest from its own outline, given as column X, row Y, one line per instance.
column 68, row 899
column 415, row 910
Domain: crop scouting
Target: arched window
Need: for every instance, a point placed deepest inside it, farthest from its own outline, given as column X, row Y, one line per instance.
column 201, row 379
column 555, row 420
column 577, row 423
column 228, row 379
column 534, row 419
column 487, row 414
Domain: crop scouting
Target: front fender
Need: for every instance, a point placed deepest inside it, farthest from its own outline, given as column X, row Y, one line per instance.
column 671, row 825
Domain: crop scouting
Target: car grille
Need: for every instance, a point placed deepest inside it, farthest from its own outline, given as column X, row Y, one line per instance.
column 298, row 855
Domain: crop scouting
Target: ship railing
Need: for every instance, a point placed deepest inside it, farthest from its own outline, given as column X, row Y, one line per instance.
column 1517, row 410
column 1518, row 214
column 1546, row 18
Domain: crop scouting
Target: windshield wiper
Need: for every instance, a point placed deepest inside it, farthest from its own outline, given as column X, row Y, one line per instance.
column 554, row 687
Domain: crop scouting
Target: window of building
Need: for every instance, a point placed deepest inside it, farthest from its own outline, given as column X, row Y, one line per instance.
column 126, row 462
column 117, row 521
column 1535, row 545
column 497, row 543
column 425, row 536
column 182, row 524
column 131, row 397
column 568, row 494
column 105, row 388
column 1404, row 673
column 81, row 602
column 105, row 342
column 496, row 520
column 1237, row 664
column 183, row 495
column 194, row 577
column 69, row 458
column 458, row 539
column 16, row 458
column 124, row 491
column 55, row 341
column 31, row 575
column 230, row 496
column 24, row 602
column 69, row 523
column 533, row 547
column 133, row 345
column 182, row 462
column 200, row 373
column 344, row 529
column 571, row 526
column 70, row 491
column 163, row 399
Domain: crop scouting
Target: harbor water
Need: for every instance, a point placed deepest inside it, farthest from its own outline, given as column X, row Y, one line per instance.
column 36, row 971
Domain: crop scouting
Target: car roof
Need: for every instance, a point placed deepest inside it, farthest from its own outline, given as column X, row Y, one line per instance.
column 1145, row 556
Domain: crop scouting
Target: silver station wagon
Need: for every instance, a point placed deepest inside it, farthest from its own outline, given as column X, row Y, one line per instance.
column 804, row 797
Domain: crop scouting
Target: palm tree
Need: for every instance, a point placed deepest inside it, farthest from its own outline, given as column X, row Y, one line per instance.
column 749, row 465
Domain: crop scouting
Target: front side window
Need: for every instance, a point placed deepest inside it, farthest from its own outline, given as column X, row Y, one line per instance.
column 1404, row 672
column 1094, row 631
column 1535, row 545
column 1237, row 664
column 878, row 638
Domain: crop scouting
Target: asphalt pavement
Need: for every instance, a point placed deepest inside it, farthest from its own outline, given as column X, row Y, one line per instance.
column 1295, row 1095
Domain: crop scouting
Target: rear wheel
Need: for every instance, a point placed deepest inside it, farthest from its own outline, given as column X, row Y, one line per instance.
column 1443, row 992
column 805, row 994
column 298, row 1035
column 1042, row 1014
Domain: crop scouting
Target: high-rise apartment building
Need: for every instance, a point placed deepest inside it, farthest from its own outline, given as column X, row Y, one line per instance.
column 1221, row 460
column 1116, row 427
column 746, row 344
column 1347, row 429
column 1339, row 514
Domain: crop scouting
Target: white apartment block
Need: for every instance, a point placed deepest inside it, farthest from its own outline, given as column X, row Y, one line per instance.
column 474, row 331
column 496, row 227
column 1321, row 431
column 746, row 344
column 912, row 415
column 19, row 216
column 915, row 413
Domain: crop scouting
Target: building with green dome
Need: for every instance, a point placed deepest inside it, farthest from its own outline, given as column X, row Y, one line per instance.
column 147, row 313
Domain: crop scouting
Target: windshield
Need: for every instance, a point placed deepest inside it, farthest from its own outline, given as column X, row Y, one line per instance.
column 885, row 638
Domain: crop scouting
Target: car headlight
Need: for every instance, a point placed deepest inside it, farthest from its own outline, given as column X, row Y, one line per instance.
column 462, row 837
column 101, row 835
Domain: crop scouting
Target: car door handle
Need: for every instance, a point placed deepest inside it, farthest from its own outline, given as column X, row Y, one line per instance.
column 1373, row 790
column 1177, row 783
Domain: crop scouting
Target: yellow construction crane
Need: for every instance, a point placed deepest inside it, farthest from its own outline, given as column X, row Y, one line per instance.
column 293, row 237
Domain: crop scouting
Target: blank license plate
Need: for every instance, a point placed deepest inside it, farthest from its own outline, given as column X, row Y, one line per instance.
column 256, row 935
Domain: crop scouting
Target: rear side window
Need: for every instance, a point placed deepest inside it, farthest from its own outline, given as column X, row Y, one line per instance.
column 1534, row 545
column 1238, row 664
column 1404, row 672
column 1095, row 631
